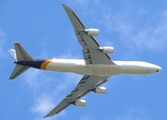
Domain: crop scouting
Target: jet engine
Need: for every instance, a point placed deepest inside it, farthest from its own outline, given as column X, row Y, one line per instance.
column 107, row 50
column 100, row 90
column 92, row 32
column 80, row 103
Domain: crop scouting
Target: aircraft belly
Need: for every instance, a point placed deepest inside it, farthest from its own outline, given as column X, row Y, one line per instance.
column 83, row 69
column 97, row 69
column 63, row 66
column 134, row 70
column 136, row 67
column 79, row 67
column 105, row 70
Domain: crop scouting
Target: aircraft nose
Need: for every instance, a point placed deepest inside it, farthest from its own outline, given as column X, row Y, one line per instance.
column 158, row 68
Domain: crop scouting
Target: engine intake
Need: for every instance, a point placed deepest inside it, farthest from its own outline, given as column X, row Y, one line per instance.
column 92, row 32
column 107, row 50
column 80, row 103
column 100, row 90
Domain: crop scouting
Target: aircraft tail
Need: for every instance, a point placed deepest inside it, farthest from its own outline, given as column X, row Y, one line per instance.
column 20, row 54
column 18, row 70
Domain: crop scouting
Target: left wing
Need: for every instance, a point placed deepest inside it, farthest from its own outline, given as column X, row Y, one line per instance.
column 85, row 85
column 90, row 47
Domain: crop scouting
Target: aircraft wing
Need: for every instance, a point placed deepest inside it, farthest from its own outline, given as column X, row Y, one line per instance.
column 85, row 85
column 90, row 47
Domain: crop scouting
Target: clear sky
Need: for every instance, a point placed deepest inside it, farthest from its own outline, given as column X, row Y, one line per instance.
column 136, row 29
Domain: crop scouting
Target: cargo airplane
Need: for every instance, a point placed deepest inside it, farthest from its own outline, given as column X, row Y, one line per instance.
column 96, row 67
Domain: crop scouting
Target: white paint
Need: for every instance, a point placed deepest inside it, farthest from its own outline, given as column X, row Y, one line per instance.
column 121, row 67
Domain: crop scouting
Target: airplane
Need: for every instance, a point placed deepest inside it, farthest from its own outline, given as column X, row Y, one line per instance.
column 96, row 67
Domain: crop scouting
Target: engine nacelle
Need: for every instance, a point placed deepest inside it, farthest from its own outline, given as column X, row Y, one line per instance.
column 107, row 50
column 92, row 32
column 100, row 90
column 80, row 103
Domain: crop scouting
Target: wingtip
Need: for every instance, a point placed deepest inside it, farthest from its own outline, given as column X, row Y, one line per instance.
column 63, row 4
column 16, row 42
column 10, row 78
column 46, row 116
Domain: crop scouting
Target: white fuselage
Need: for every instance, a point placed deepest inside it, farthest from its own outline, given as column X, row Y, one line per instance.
column 121, row 67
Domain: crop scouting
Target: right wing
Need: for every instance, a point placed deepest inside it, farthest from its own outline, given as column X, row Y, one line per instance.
column 90, row 47
column 85, row 85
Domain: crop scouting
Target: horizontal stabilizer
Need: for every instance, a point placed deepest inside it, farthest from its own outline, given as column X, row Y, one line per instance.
column 21, row 53
column 19, row 69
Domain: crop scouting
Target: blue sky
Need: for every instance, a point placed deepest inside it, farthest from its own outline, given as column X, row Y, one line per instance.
column 136, row 29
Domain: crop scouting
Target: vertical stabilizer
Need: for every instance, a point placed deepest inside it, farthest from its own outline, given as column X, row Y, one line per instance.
column 13, row 53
